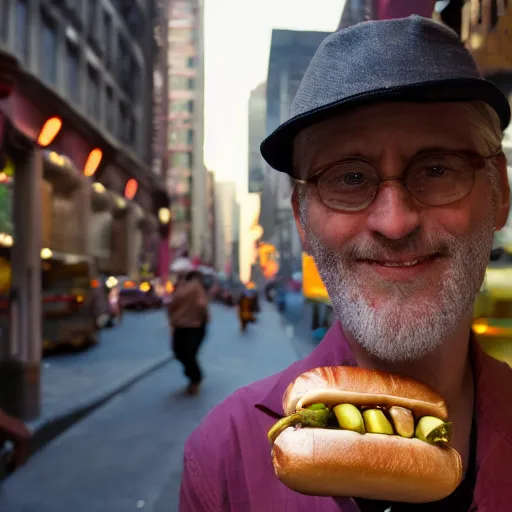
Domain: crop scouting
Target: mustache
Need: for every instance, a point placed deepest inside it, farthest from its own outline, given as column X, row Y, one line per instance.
column 382, row 248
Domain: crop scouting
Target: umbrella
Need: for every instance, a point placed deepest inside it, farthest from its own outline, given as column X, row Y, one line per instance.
column 207, row 271
column 181, row 265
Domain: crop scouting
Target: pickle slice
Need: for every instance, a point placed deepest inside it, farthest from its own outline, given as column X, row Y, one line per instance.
column 349, row 418
column 316, row 407
column 316, row 418
column 376, row 422
column 434, row 431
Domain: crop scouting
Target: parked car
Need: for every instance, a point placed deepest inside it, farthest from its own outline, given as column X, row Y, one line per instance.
column 73, row 303
column 73, row 306
column 227, row 289
column 493, row 307
column 140, row 296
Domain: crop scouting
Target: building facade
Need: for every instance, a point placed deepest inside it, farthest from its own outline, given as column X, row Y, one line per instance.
column 91, row 65
column 356, row 11
column 212, row 225
column 257, row 132
column 88, row 190
column 187, row 175
column 290, row 55
column 225, row 224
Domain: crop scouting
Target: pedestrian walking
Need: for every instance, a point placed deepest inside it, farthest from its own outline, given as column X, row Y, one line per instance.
column 245, row 309
column 188, row 317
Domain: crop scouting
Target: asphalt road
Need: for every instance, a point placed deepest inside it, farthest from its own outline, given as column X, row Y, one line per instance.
column 127, row 455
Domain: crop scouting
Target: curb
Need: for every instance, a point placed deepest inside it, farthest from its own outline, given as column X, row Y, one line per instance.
column 46, row 430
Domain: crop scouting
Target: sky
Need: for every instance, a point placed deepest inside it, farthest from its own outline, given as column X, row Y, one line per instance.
column 237, row 46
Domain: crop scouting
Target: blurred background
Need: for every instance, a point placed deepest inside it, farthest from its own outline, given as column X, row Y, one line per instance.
column 129, row 151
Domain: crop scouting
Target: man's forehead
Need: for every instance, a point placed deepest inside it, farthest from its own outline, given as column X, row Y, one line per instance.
column 410, row 127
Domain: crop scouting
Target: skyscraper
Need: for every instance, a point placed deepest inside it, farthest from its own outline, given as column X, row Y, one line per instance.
column 187, row 176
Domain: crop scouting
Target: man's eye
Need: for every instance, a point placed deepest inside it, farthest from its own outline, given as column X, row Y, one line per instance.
column 352, row 179
column 436, row 171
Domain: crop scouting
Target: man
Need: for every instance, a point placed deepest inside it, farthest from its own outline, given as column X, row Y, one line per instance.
column 394, row 143
column 188, row 316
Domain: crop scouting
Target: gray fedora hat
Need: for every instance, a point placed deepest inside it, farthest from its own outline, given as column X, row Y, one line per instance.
column 407, row 59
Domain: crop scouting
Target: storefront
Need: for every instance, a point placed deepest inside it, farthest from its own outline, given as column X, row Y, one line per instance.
column 20, row 323
column 100, row 227
column 70, row 205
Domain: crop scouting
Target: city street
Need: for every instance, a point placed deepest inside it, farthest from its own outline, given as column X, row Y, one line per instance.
column 74, row 382
column 127, row 454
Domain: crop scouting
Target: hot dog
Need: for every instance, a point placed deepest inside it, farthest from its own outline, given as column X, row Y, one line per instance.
column 353, row 432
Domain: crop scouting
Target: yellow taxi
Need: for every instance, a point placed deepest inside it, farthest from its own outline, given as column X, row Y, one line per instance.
column 493, row 307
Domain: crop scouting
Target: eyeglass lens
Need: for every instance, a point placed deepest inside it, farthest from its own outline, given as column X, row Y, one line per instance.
column 433, row 180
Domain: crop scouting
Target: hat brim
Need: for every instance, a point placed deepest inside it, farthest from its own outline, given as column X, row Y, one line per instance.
column 277, row 148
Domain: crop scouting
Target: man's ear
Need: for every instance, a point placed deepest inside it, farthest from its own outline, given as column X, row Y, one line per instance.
column 296, row 215
column 504, row 188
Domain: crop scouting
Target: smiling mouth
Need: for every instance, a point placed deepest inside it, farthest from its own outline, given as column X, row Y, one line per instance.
column 402, row 263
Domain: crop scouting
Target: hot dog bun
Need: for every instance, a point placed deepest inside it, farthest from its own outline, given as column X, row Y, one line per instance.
column 333, row 385
column 345, row 463
column 324, row 462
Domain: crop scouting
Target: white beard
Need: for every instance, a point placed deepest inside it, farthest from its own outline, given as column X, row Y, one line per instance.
column 405, row 326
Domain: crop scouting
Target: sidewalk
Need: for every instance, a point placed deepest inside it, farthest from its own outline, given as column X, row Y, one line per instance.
column 74, row 384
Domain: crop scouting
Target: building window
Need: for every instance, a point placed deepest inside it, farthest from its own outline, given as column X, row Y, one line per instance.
column 4, row 21
column 190, row 106
column 179, row 106
column 183, row 136
column 135, row 21
column 93, row 93
column 126, row 125
column 177, row 61
column 191, row 62
column 92, row 9
column 111, row 114
column 107, row 37
column 191, row 83
column 180, row 35
column 182, row 159
column 179, row 83
column 48, row 49
column 73, row 71
column 128, row 72
column 22, row 28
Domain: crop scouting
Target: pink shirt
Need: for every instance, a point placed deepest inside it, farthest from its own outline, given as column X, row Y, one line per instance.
column 228, row 467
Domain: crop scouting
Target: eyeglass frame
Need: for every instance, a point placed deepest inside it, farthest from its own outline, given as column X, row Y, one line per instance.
column 469, row 155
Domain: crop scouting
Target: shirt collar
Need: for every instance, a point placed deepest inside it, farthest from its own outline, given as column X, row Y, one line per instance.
column 333, row 350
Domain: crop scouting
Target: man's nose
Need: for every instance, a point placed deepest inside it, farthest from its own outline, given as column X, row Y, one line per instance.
column 394, row 213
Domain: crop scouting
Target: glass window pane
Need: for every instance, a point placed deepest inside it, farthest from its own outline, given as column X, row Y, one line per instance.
column 73, row 72
column 22, row 28
column 48, row 50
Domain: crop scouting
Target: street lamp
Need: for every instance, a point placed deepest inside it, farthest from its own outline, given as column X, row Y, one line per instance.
column 93, row 162
column 49, row 131
column 130, row 189
column 164, row 215
column 98, row 187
